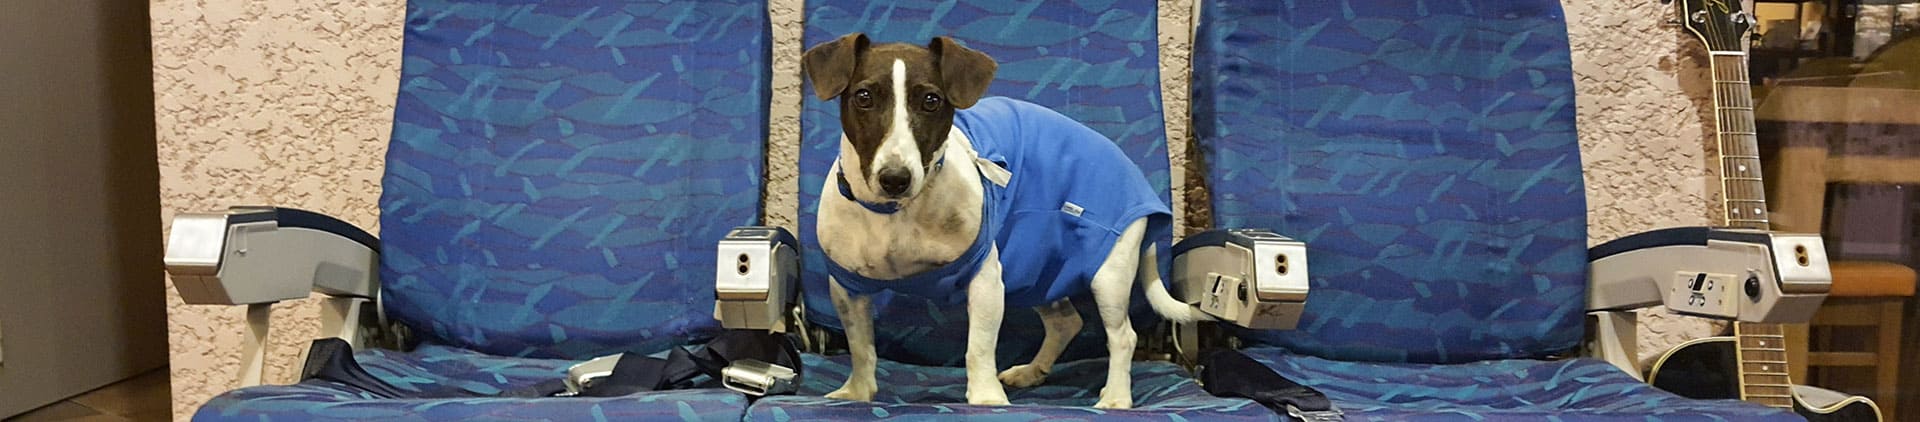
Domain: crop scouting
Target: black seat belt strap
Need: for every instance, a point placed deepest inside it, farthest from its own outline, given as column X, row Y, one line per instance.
column 1230, row 373
column 734, row 360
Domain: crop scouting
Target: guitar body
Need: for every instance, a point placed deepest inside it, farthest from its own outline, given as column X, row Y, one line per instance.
column 1704, row 369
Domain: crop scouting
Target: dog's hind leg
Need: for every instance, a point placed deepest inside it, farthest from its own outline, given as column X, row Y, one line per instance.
column 1062, row 322
column 856, row 315
column 1112, row 288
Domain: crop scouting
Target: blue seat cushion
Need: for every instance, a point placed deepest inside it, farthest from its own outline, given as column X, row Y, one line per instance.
column 1428, row 153
column 459, row 383
column 1161, row 391
column 560, row 170
column 1516, row 389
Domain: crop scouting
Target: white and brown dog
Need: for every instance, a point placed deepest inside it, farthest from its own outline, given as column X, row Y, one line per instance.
column 941, row 193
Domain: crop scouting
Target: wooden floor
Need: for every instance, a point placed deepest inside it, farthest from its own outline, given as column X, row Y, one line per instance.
column 141, row 398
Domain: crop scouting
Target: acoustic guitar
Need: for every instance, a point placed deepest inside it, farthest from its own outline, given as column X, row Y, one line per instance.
column 1750, row 365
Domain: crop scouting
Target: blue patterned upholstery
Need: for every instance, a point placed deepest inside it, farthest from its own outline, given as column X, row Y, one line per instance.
column 560, row 171
column 1161, row 391
column 458, row 375
column 558, row 175
column 1513, row 389
column 1425, row 151
column 1095, row 61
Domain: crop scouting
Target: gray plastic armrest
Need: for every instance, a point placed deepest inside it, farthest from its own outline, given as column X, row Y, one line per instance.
column 1733, row 274
column 757, row 274
column 250, row 255
column 1748, row 275
column 256, row 256
column 1247, row 277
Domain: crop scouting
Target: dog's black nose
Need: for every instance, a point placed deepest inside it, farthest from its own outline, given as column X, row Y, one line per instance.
column 894, row 181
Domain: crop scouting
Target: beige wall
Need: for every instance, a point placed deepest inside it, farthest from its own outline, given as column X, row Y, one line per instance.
column 288, row 103
column 279, row 102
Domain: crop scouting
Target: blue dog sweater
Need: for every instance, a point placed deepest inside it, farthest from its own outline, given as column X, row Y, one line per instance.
column 1071, row 193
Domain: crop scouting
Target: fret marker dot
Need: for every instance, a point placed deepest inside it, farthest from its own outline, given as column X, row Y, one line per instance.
column 1757, row 211
column 1743, row 167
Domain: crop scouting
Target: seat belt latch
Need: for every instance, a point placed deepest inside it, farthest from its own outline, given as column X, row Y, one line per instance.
column 757, row 378
column 584, row 374
column 1332, row 414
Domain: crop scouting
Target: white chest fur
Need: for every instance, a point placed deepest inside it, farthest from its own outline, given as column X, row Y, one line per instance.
column 931, row 229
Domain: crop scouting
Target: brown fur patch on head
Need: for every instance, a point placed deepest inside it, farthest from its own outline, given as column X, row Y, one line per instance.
column 939, row 78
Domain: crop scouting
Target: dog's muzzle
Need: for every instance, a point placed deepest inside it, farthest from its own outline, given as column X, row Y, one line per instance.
column 846, row 190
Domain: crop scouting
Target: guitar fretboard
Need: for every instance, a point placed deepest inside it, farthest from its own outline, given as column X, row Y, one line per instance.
column 1762, row 347
column 1744, row 197
column 1763, row 365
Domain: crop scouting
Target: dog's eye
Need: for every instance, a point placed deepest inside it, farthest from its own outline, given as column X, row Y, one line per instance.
column 930, row 103
column 863, row 99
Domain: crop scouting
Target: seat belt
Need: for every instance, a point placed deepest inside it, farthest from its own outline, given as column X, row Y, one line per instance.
column 733, row 360
column 1230, row 373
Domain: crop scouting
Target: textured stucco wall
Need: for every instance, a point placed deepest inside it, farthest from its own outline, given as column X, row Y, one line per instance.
column 1643, row 134
column 276, row 102
column 289, row 103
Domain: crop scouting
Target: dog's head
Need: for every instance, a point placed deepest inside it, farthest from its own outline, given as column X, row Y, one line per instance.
column 896, row 104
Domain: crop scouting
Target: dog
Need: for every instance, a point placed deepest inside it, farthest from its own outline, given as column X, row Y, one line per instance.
column 933, row 179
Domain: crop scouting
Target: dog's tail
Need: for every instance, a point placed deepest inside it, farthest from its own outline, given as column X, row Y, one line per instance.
column 1163, row 303
column 1168, row 307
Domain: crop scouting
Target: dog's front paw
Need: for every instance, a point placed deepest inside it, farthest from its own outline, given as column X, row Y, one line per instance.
column 992, row 396
column 1114, row 401
column 853, row 391
column 1023, row 376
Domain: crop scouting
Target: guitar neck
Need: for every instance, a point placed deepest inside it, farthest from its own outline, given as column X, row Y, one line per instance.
column 1763, row 365
column 1743, row 196
column 1762, row 354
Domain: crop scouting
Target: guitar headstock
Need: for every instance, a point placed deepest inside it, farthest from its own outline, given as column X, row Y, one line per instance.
column 1721, row 24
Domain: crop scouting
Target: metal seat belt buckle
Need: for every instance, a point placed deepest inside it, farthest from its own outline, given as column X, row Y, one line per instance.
column 757, row 378
column 1332, row 414
column 584, row 374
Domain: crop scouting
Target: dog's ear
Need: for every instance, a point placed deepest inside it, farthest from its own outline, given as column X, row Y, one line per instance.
column 829, row 66
column 965, row 72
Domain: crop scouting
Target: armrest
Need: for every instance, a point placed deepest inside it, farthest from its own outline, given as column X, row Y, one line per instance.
column 256, row 256
column 1748, row 275
column 252, row 255
column 1248, row 277
column 1734, row 274
column 756, row 277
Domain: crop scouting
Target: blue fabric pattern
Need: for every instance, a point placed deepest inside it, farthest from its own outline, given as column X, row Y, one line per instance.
column 560, row 170
column 1048, row 252
column 456, row 375
column 1096, row 61
column 1497, row 390
column 1161, row 391
column 558, row 174
column 1424, row 150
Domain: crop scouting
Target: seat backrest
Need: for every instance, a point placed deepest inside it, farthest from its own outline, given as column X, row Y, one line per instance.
column 1426, row 152
column 1094, row 61
column 560, row 171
